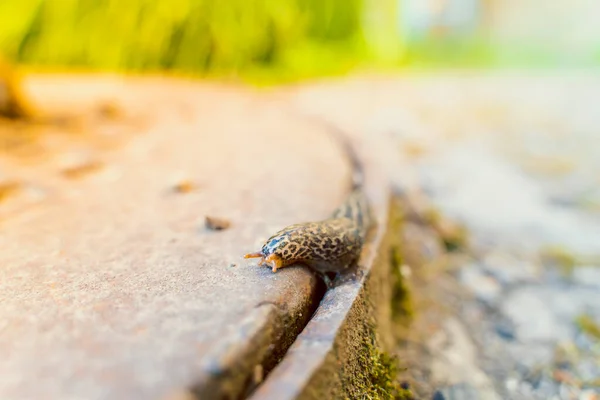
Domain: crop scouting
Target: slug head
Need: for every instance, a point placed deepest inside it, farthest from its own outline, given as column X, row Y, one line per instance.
column 271, row 253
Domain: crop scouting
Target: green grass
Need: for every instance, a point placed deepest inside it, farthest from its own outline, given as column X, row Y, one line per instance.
column 257, row 40
column 198, row 37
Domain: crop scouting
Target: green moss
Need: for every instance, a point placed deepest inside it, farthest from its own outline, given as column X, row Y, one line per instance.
column 382, row 369
column 456, row 241
column 262, row 40
column 559, row 257
column 382, row 374
column 589, row 326
column 402, row 307
column 454, row 236
column 384, row 379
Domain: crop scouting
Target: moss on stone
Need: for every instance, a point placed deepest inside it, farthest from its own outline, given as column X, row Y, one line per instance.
column 382, row 369
column 559, row 256
column 381, row 373
column 454, row 236
column 402, row 307
column 589, row 326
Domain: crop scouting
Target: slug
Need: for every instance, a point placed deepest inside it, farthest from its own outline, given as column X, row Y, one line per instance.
column 330, row 245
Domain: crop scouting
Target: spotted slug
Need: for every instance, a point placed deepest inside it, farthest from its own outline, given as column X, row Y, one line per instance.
column 330, row 245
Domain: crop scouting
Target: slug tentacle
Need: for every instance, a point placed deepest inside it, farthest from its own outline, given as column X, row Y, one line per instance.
column 257, row 254
column 274, row 261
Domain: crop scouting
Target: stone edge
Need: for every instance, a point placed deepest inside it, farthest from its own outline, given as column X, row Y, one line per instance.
column 249, row 350
column 333, row 356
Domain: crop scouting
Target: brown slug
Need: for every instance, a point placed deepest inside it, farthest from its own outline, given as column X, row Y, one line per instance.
column 330, row 245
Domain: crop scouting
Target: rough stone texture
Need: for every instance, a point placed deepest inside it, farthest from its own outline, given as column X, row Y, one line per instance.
column 496, row 153
column 110, row 286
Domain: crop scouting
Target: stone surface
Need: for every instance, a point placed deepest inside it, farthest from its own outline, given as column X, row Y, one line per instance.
column 460, row 391
column 511, row 156
column 587, row 276
column 111, row 287
column 456, row 363
column 533, row 319
column 510, row 269
column 483, row 286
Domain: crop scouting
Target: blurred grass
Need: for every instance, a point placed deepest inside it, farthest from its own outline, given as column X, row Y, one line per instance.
column 258, row 38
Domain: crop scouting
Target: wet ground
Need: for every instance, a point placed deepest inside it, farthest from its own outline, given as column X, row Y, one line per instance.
column 515, row 159
column 527, row 187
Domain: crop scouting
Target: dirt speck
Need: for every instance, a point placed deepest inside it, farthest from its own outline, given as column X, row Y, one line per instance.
column 216, row 223
column 81, row 170
column 184, row 186
column 109, row 110
column 8, row 189
column 563, row 376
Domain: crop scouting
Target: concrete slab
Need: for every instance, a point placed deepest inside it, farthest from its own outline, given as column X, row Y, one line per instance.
column 111, row 286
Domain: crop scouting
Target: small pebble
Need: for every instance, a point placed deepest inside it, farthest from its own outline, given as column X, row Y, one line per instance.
column 528, row 310
column 505, row 330
column 8, row 189
column 589, row 395
column 589, row 370
column 526, row 389
column 216, row 224
column 587, row 275
column 438, row 396
column 405, row 271
column 485, row 287
column 511, row 384
column 546, row 387
column 81, row 170
column 509, row 269
column 109, row 110
column 563, row 376
column 459, row 391
column 568, row 392
column 422, row 244
column 184, row 186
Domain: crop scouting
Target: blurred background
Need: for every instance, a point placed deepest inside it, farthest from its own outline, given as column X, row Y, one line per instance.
column 274, row 39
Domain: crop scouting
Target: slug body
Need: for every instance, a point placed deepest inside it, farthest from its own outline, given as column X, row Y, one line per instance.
column 330, row 245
